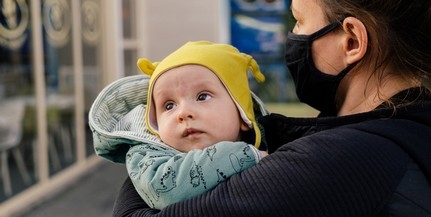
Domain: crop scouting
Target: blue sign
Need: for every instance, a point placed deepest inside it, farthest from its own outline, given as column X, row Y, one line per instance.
column 259, row 36
column 259, row 5
column 258, row 28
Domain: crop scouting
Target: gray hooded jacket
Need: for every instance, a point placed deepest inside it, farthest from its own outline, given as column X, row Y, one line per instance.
column 160, row 174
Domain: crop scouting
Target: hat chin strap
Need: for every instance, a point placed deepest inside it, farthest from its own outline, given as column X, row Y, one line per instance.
column 258, row 136
column 252, row 125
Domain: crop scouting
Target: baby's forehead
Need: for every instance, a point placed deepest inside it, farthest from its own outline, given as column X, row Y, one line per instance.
column 187, row 68
column 188, row 74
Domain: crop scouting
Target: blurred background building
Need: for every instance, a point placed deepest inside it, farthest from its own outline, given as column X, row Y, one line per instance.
column 57, row 55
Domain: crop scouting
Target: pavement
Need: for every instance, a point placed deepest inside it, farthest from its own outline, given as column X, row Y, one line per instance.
column 93, row 195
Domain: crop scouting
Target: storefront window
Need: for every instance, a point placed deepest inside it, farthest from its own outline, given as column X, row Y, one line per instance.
column 26, row 157
column 17, row 128
column 59, row 74
column 131, row 40
column 91, row 51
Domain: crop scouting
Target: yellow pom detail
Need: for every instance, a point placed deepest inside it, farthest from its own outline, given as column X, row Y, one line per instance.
column 146, row 66
column 256, row 71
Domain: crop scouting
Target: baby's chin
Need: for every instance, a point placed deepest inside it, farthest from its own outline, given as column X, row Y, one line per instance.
column 196, row 146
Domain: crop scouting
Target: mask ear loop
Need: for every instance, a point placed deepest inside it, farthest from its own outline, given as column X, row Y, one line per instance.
column 146, row 66
column 319, row 33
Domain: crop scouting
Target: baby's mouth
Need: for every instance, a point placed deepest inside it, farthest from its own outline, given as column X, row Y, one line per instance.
column 191, row 132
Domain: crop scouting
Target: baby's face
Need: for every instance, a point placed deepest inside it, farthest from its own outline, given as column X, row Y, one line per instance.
column 194, row 110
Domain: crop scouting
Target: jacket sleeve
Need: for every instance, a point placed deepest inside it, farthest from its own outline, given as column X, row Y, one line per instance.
column 280, row 129
column 332, row 173
column 163, row 176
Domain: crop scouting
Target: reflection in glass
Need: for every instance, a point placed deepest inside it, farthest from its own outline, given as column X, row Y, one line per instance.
column 92, row 58
column 128, row 18
column 17, row 131
column 130, row 59
column 59, row 77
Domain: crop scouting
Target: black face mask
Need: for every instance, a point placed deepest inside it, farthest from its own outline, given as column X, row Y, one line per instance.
column 313, row 87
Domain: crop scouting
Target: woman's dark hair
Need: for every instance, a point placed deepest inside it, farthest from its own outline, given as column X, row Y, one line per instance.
column 399, row 34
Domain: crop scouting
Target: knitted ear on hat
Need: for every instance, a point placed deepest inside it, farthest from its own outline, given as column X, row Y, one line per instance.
column 254, row 67
column 146, row 66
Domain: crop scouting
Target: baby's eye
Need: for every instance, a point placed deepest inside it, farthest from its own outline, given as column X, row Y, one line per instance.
column 169, row 106
column 203, row 97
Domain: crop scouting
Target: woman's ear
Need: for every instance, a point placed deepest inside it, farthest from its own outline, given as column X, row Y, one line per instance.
column 355, row 44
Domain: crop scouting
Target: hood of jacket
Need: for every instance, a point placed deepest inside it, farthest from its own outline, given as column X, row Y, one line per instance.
column 117, row 117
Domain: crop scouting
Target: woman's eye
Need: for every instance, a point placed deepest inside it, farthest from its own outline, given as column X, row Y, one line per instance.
column 203, row 97
column 169, row 106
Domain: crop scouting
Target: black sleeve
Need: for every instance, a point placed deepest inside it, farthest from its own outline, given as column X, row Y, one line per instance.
column 129, row 203
column 326, row 174
column 280, row 129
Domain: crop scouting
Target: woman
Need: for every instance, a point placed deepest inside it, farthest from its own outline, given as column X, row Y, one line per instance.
column 366, row 65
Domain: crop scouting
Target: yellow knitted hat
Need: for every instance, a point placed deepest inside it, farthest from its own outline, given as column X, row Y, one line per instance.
column 225, row 61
